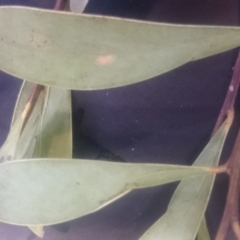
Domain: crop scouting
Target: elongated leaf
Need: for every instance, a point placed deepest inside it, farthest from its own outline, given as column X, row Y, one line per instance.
column 10, row 149
column 28, row 137
column 188, row 204
column 44, row 192
column 7, row 151
column 203, row 233
column 21, row 143
column 54, row 136
column 91, row 52
column 52, row 129
column 54, row 139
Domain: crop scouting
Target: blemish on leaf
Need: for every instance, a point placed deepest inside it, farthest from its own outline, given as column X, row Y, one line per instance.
column 104, row 60
column 26, row 110
column 39, row 40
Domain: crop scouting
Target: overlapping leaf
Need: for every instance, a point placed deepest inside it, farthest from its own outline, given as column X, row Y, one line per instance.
column 91, row 52
column 54, row 139
column 187, row 206
column 20, row 143
column 48, row 132
column 44, row 192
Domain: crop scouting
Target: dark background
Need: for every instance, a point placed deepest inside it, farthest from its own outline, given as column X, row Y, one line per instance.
column 166, row 119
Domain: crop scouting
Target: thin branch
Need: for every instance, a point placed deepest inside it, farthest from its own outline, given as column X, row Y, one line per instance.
column 231, row 95
column 230, row 215
column 236, row 229
column 58, row 5
column 219, row 169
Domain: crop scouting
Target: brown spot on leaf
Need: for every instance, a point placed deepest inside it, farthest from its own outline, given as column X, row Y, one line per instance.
column 104, row 60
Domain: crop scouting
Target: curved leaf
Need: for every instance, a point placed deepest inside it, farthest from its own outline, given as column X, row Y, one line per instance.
column 54, row 137
column 44, row 192
column 188, row 204
column 50, row 133
column 20, row 143
column 91, row 52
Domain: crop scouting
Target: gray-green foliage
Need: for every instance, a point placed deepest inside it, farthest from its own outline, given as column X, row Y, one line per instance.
column 45, row 191
column 75, row 51
column 93, row 52
column 188, row 204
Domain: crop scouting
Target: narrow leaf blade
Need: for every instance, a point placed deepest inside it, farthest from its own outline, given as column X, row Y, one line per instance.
column 48, row 134
column 8, row 149
column 188, row 204
column 54, row 138
column 20, row 143
column 44, row 192
column 92, row 52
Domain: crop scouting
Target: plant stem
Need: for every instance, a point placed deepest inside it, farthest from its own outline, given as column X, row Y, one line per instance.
column 231, row 95
column 230, row 215
column 220, row 169
column 236, row 229
column 60, row 5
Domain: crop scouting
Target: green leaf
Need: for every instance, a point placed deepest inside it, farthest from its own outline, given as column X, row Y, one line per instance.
column 50, row 135
column 48, row 132
column 188, row 204
column 8, row 149
column 50, row 191
column 93, row 52
column 54, row 138
column 20, row 144
column 203, row 233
